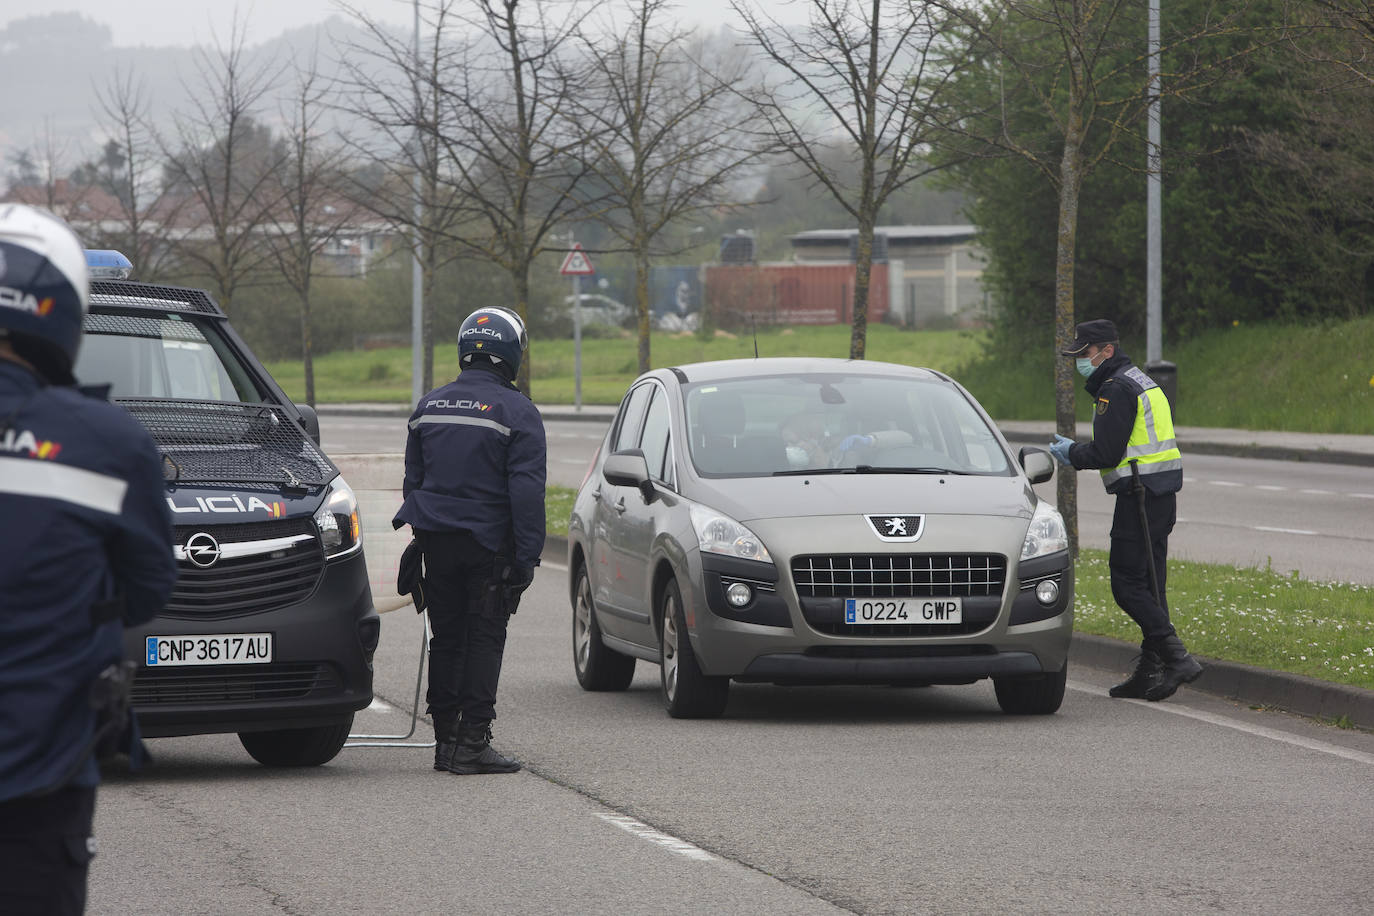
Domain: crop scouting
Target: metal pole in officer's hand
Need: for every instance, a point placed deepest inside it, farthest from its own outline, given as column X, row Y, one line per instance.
column 1145, row 530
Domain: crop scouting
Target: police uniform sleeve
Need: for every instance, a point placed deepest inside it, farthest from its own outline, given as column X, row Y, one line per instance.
column 526, row 469
column 415, row 457
column 1113, row 419
column 141, row 548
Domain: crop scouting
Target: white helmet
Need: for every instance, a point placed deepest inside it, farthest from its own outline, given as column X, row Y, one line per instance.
column 44, row 289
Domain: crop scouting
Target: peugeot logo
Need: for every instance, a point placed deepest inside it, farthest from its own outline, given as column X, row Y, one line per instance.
column 897, row 527
column 202, row 549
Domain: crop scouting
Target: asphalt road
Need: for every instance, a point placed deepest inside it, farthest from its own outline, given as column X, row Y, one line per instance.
column 1314, row 518
column 801, row 800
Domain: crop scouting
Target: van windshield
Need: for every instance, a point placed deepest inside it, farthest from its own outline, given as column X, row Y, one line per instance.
column 161, row 356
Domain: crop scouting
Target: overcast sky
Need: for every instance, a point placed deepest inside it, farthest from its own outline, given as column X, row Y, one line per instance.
column 187, row 22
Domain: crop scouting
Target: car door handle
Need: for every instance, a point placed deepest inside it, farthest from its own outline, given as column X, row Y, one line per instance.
column 596, row 494
column 619, row 506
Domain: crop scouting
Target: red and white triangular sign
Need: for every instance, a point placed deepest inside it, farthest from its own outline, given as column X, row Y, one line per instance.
column 577, row 263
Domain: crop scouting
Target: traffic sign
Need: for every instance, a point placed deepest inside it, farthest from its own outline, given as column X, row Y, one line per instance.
column 577, row 264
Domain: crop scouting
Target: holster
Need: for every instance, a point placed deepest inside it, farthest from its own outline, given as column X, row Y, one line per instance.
column 110, row 696
column 498, row 598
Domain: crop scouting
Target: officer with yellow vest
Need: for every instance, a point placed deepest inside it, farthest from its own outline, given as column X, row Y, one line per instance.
column 1132, row 424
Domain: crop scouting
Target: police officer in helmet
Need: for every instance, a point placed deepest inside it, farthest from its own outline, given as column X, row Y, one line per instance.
column 1133, row 446
column 474, row 497
column 85, row 549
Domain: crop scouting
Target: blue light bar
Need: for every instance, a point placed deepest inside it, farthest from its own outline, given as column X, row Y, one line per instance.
column 108, row 265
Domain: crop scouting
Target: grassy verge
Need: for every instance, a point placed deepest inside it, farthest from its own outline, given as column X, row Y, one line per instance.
column 1253, row 616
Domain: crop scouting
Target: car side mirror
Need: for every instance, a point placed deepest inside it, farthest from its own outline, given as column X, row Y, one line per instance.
column 310, row 420
column 1037, row 463
column 629, row 469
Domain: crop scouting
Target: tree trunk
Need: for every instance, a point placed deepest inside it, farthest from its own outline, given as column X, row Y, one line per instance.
column 642, row 300
column 1065, row 377
column 863, row 271
column 429, row 276
column 307, row 348
column 520, row 276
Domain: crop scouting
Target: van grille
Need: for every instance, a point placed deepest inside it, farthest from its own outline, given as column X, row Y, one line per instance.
column 895, row 575
column 252, row 584
column 234, row 683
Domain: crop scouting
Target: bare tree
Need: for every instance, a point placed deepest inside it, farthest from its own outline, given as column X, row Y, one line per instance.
column 662, row 130
column 311, row 210
column 1083, row 65
column 225, row 164
column 872, row 73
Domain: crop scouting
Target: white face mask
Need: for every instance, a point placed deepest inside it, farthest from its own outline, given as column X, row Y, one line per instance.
column 797, row 456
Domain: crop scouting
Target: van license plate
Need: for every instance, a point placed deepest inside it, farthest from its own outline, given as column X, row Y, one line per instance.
column 903, row 610
column 216, row 649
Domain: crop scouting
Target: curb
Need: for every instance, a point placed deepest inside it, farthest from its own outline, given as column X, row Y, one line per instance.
column 1228, row 449
column 1246, row 684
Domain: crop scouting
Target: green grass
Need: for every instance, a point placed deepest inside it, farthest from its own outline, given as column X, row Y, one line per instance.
column 558, row 503
column 1254, row 616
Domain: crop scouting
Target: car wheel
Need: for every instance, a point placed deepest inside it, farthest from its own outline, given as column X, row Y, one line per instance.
column 297, row 747
column 1038, row 695
column 687, row 693
column 597, row 667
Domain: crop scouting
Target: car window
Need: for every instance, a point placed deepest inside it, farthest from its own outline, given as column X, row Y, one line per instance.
column 654, row 441
column 165, row 356
column 749, row 427
column 631, row 417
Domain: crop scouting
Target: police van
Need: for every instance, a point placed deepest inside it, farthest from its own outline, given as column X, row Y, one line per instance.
column 271, row 630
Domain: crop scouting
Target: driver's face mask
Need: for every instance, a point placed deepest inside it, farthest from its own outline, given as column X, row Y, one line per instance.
column 797, row 456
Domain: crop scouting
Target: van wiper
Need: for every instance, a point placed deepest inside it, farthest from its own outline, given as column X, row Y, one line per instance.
column 807, row 472
column 874, row 469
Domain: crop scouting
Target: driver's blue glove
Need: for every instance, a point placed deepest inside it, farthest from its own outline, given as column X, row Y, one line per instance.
column 855, row 441
column 1059, row 448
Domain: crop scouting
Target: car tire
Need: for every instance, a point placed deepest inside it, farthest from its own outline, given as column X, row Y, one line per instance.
column 687, row 693
column 597, row 667
column 1037, row 695
column 297, row 747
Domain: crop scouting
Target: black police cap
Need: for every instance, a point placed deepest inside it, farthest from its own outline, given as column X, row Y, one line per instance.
column 1098, row 331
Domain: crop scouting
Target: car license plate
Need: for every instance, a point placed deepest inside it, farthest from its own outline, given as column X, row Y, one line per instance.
column 903, row 610
column 216, row 649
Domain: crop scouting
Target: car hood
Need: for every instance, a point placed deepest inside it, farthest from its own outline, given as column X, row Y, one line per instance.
column 749, row 498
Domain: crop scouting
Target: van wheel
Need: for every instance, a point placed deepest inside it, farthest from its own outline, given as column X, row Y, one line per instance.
column 297, row 747
column 1037, row 695
column 687, row 693
column 597, row 667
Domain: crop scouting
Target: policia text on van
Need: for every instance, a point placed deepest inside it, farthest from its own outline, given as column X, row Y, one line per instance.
column 270, row 629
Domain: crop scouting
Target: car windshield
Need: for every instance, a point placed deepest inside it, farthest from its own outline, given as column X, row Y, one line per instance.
column 161, row 356
column 837, row 424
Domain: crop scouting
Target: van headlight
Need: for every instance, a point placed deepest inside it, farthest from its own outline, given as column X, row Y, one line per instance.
column 341, row 531
column 719, row 533
column 1046, row 533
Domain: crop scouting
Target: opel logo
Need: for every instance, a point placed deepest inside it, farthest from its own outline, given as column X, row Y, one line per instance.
column 202, row 549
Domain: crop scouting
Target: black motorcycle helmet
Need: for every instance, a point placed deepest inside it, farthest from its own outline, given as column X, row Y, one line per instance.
column 495, row 333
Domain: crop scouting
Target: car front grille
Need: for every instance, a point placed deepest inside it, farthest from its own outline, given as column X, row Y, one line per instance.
column 234, row 683
column 250, row 584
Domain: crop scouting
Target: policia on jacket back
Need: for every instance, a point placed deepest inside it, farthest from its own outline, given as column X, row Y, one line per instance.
column 474, row 497
column 1133, row 446
column 85, row 548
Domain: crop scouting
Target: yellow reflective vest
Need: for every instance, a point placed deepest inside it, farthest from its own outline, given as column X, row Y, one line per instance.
column 1151, row 444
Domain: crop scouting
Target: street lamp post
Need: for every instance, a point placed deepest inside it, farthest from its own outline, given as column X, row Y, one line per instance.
column 1153, row 255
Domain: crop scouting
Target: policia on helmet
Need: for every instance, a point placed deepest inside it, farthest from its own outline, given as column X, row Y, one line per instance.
column 1133, row 446
column 474, row 497
column 85, row 548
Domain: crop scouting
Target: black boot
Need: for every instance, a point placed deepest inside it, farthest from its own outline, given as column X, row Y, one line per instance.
column 1148, row 668
column 476, row 755
column 1179, row 668
column 445, row 740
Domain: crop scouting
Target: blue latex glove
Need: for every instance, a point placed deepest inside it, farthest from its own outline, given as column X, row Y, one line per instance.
column 856, row 441
column 1059, row 448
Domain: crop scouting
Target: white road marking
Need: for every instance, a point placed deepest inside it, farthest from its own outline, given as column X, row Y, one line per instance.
column 582, row 461
column 1363, row 495
column 1224, row 483
column 1284, row 530
column 1258, row 731
column 380, row 705
column 558, row 566
column 1317, row 492
column 645, row 832
column 1268, row 486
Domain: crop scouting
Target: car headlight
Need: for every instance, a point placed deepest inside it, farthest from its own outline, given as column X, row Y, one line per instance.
column 1046, row 533
column 719, row 533
column 341, row 531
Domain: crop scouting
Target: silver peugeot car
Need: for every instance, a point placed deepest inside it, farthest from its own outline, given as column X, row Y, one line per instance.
column 816, row 521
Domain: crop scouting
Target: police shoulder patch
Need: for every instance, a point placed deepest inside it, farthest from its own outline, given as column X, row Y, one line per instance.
column 1102, row 406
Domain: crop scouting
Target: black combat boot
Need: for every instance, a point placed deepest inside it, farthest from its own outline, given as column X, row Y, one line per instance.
column 475, row 754
column 1148, row 668
column 1179, row 668
column 445, row 740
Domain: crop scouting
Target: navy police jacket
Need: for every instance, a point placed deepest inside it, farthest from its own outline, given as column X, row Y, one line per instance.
column 85, row 547
column 476, row 461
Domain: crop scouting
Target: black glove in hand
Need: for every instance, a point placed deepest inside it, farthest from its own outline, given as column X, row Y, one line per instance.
column 518, row 577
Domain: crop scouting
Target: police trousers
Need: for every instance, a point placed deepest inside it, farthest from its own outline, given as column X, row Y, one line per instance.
column 45, row 851
column 469, row 632
column 1129, row 560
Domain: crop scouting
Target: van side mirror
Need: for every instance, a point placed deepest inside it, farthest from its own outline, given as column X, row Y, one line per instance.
column 629, row 469
column 1037, row 463
column 310, row 420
